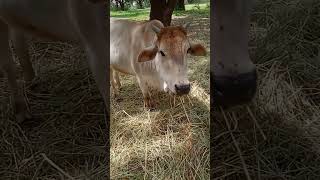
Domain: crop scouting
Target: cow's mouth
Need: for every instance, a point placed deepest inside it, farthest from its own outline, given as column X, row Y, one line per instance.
column 175, row 90
column 228, row 92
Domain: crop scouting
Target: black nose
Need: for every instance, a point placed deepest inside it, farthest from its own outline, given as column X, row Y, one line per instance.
column 182, row 89
column 231, row 91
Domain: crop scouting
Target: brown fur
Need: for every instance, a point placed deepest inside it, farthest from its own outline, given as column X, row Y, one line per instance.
column 173, row 37
column 147, row 54
column 119, row 70
column 197, row 50
column 171, row 32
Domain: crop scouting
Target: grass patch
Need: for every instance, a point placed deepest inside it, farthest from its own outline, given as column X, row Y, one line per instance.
column 143, row 14
column 68, row 129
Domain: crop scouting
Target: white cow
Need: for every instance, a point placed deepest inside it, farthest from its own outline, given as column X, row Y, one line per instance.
column 155, row 54
column 81, row 21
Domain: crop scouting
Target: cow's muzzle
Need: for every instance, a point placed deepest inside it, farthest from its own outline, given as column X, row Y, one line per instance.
column 231, row 91
column 182, row 89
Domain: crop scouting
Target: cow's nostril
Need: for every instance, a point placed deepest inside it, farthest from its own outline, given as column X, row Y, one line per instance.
column 182, row 89
column 187, row 86
column 177, row 87
column 230, row 91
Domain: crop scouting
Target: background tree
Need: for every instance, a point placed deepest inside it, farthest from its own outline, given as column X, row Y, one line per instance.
column 162, row 10
column 180, row 5
column 119, row 4
column 140, row 4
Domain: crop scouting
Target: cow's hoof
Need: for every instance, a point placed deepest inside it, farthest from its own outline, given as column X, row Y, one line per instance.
column 29, row 76
column 150, row 105
column 118, row 98
column 119, row 86
column 29, row 79
column 23, row 116
column 151, row 109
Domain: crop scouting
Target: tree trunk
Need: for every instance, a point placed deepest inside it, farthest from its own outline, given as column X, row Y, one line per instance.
column 180, row 5
column 121, row 2
column 140, row 4
column 162, row 10
column 117, row 5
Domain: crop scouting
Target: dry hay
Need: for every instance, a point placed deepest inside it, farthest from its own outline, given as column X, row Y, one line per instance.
column 67, row 136
column 277, row 135
column 172, row 142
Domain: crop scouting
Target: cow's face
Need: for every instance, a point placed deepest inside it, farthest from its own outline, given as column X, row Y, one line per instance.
column 170, row 55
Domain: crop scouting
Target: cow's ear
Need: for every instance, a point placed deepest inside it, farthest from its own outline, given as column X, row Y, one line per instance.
column 148, row 54
column 197, row 50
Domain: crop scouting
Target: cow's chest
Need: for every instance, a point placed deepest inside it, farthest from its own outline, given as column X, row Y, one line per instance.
column 153, row 84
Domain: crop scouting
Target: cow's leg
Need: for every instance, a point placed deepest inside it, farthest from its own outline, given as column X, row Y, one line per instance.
column 148, row 102
column 21, row 49
column 7, row 64
column 94, row 36
column 114, row 82
column 98, row 65
column 117, row 79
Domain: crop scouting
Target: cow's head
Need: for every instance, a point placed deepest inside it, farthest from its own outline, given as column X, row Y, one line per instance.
column 234, row 74
column 170, row 55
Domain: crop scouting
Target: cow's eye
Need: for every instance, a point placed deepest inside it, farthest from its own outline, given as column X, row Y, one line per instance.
column 162, row 53
column 189, row 50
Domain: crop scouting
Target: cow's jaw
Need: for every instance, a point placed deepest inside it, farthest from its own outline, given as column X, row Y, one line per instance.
column 171, row 75
column 170, row 87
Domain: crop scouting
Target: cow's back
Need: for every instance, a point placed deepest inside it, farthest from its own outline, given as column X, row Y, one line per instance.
column 52, row 19
column 123, row 33
column 127, row 40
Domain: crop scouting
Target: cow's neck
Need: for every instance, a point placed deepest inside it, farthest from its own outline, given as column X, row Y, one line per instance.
column 150, row 67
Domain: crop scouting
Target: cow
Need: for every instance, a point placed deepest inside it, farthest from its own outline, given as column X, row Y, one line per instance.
column 233, row 74
column 154, row 54
column 75, row 21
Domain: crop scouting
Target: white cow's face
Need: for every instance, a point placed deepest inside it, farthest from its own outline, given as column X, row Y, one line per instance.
column 170, row 55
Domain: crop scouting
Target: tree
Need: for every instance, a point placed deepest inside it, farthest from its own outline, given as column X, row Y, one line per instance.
column 140, row 4
column 121, row 4
column 162, row 10
column 180, row 5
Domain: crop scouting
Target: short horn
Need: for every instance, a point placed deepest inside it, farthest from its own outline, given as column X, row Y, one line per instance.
column 155, row 29
column 186, row 25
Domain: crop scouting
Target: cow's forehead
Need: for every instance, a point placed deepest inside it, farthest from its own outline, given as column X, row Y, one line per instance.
column 172, row 33
column 172, row 39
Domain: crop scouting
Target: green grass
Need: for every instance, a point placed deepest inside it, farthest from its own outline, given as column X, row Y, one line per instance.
column 143, row 14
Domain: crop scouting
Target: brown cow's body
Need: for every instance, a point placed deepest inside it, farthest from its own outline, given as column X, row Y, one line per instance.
column 78, row 21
